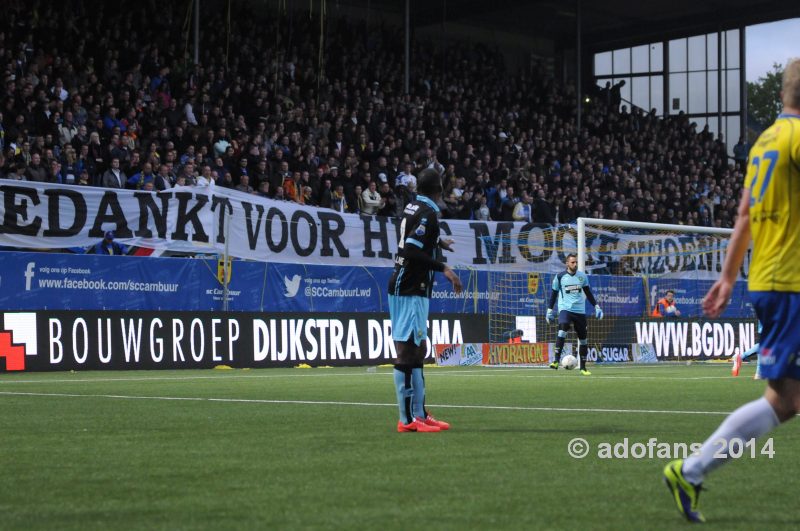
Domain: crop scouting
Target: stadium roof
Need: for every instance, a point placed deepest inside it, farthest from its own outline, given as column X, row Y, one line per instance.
column 606, row 23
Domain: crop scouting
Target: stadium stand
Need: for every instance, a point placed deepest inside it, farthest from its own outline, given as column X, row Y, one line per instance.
column 86, row 84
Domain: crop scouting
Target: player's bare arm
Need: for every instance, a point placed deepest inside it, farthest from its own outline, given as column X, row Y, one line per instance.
column 446, row 244
column 716, row 300
column 453, row 278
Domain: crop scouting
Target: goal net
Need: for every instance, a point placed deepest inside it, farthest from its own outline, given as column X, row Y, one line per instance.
column 631, row 267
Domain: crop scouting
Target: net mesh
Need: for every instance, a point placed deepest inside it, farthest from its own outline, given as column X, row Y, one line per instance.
column 630, row 269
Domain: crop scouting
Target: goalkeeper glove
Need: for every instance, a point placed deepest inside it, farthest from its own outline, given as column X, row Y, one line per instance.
column 598, row 312
column 550, row 316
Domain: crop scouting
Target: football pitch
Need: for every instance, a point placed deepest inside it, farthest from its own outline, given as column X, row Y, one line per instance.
column 318, row 449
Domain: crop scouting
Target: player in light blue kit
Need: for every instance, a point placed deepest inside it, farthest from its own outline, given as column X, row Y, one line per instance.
column 571, row 290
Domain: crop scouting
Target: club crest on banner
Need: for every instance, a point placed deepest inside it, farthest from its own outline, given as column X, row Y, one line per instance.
column 533, row 283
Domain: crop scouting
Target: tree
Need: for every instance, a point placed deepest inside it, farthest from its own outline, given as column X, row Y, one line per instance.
column 764, row 96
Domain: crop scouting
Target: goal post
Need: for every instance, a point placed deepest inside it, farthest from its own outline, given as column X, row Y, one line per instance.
column 667, row 257
column 630, row 266
column 666, row 261
column 641, row 226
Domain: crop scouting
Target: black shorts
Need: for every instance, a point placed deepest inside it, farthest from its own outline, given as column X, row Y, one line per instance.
column 577, row 320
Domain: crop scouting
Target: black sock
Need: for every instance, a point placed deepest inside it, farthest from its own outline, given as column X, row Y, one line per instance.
column 559, row 347
column 406, row 371
column 424, row 409
column 583, row 350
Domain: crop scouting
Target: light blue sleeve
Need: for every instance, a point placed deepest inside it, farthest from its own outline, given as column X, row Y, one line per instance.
column 556, row 287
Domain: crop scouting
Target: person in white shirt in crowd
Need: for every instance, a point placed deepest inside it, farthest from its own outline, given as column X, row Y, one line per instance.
column 433, row 163
column 406, row 177
column 162, row 179
column 205, row 178
column 522, row 210
column 114, row 177
column 371, row 200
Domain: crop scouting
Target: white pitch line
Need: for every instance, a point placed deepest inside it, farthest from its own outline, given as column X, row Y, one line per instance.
column 364, row 404
column 436, row 372
column 178, row 378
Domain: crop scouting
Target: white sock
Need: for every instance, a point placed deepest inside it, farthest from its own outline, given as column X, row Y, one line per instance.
column 750, row 421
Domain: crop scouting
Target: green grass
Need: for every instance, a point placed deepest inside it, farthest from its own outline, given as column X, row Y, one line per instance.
column 264, row 460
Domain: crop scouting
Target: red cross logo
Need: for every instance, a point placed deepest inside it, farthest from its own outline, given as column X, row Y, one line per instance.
column 14, row 354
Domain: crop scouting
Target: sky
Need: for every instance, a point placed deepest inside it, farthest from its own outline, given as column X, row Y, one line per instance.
column 774, row 42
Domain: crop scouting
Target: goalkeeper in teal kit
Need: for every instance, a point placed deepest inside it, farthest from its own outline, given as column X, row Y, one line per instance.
column 571, row 290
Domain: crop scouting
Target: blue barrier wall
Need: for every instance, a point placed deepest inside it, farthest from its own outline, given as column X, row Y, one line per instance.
column 35, row 281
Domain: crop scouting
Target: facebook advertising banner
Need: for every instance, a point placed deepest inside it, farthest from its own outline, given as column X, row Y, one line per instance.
column 474, row 298
column 67, row 281
column 33, row 281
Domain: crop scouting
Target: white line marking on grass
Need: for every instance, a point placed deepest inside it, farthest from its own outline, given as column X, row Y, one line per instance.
column 363, row 404
column 488, row 372
column 178, row 378
column 555, row 377
column 596, row 377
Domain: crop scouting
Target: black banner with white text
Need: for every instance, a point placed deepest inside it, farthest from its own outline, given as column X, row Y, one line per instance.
column 117, row 340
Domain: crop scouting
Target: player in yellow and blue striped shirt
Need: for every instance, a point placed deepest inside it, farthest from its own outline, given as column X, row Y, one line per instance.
column 769, row 212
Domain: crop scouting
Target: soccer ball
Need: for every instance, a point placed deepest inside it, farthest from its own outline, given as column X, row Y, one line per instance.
column 569, row 362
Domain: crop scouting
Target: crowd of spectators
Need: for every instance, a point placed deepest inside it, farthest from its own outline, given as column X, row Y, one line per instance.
column 108, row 96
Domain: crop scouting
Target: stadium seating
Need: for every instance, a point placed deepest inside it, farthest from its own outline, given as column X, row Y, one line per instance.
column 84, row 86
